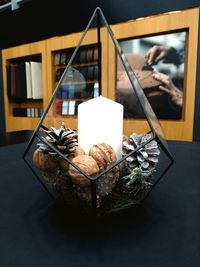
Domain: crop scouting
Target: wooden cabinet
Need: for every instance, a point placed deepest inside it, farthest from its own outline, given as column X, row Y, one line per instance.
column 19, row 55
column 48, row 52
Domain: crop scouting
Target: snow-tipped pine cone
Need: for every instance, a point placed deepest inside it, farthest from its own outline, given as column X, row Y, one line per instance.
column 146, row 157
column 65, row 140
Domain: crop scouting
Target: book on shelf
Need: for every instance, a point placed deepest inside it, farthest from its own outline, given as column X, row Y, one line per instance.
column 8, row 78
column 59, row 107
column 36, row 79
column 82, row 55
column 19, row 112
column 57, row 58
column 24, row 81
column 28, row 81
column 96, row 90
column 21, row 81
column 67, row 107
column 96, row 72
column 59, row 73
column 16, row 82
column 89, row 54
column 28, row 112
column 71, row 109
column 85, row 54
column 63, row 58
column 76, row 106
column 95, row 53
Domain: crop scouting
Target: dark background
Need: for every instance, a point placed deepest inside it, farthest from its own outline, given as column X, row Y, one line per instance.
column 41, row 19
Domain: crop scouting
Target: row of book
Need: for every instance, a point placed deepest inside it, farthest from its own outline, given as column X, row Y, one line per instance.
column 24, row 81
column 27, row 112
column 67, row 107
column 74, row 91
column 86, row 73
column 83, row 55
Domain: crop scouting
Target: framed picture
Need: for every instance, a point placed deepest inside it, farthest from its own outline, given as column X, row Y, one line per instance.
column 162, row 51
column 160, row 56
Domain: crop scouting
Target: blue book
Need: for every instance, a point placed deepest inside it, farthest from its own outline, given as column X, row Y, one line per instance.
column 64, row 90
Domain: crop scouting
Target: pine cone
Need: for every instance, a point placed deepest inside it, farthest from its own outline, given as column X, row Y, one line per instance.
column 45, row 159
column 106, row 182
column 145, row 158
column 63, row 139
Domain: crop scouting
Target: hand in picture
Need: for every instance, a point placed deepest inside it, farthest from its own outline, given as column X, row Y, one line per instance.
column 176, row 95
column 157, row 53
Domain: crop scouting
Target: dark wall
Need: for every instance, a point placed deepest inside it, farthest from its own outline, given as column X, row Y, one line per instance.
column 41, row 19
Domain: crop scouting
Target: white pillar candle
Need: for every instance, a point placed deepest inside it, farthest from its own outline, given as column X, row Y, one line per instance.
column 100, row 120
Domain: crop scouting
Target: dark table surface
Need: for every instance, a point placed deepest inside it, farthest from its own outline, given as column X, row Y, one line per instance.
column 163, row 231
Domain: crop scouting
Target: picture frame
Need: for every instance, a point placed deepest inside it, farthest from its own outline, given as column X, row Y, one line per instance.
column 180, row 127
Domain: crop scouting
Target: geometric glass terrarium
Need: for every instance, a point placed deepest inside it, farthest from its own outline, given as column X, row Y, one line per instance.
column 89, row 162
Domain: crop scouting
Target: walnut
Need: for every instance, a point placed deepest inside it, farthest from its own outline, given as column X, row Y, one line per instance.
column 88, row 165
column 64, row 165
column 44, row 161
column 103, row 154
column 79, row 151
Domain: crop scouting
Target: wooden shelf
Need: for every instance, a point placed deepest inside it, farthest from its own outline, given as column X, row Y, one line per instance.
column 21, row 123
column 28, row 52
column 46, row 50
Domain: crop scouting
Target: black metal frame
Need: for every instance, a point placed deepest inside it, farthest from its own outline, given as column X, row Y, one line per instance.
column 153, row 122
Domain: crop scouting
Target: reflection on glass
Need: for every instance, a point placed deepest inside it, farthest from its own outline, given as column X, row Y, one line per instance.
column 137, row 100
column 79, row 81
